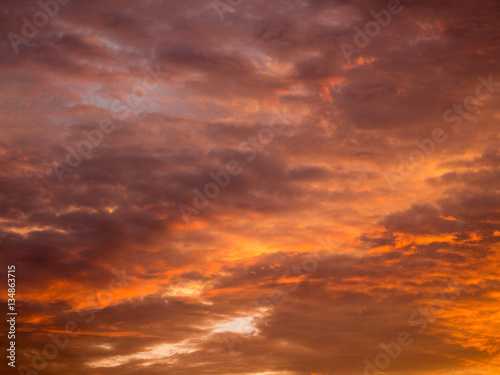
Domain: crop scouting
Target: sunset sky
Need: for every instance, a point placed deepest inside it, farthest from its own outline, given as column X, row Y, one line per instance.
column 249, row 187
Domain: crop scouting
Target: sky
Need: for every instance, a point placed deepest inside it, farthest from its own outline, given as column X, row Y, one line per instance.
column 249, row 187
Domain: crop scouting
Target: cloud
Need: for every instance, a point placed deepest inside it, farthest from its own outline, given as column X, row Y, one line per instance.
column 309, row 219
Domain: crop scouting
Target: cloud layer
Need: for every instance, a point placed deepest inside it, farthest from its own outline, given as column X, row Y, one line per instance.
column 355, row 200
